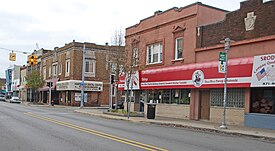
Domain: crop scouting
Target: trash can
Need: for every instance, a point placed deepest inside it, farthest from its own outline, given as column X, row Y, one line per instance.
column 151, row 110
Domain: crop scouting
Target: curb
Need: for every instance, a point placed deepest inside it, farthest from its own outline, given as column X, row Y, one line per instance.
column 194, row 128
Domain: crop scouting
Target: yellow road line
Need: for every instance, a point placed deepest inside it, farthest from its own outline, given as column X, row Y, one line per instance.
column 98, row 133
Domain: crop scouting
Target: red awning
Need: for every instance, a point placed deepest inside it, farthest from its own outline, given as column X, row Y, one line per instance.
column 239, row 74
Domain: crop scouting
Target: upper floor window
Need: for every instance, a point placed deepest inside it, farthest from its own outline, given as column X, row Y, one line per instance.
column 44, row 73
column 50, row 71
column 135, row 56
column 67, row 73
column 90, row 66
column 154, row 53
column 60, row 68
column 178, row 48
column 54, row 69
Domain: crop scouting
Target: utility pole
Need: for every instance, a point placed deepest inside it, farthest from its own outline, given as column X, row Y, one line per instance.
column 226, row 47
column 111, row 87
column 83, row 72
column 50, row 89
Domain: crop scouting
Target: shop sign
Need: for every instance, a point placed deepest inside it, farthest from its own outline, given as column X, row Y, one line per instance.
column 198, row 78
column 75, row 85
column 263, row 73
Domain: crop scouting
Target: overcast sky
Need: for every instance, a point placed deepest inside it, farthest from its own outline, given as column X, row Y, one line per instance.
column 52, row 23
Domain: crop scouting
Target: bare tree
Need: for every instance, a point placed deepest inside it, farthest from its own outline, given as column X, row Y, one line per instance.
column 118, row 38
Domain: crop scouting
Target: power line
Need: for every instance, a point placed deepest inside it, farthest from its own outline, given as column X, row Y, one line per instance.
column 24, row 52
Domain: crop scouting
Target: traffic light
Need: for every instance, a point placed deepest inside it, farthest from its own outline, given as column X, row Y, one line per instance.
column 32, row 60
column 49, row 84
column 112, row 78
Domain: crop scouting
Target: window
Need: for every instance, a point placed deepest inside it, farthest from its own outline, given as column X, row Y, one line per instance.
column 60, row 68
column 44, row 73
column 50, row 71
column 54, row 69
column 90, row 66
column 178, row 48
column 67, row 73
column 235, row 97
column 135, row 56
column 154, row 53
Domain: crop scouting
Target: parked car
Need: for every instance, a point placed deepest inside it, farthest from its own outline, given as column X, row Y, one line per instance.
column 2, row 97
column 15, row 99
column 120, row 104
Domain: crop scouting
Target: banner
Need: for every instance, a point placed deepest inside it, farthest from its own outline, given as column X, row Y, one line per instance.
column 263, row 73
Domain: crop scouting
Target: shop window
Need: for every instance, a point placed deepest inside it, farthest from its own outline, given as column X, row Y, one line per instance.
column 170, row 96
column 263, row 100
column 235, row 97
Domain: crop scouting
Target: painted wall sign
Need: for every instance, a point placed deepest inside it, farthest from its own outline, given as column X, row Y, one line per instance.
column 263, row 73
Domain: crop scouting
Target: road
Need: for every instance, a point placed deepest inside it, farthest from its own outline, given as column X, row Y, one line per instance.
column 32, row 128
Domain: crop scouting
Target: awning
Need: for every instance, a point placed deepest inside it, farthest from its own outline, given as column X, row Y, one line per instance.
column 239, row 75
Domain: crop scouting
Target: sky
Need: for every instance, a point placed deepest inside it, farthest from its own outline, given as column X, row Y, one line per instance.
column 26, row 25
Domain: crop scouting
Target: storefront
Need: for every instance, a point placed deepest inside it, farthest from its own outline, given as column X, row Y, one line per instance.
column 70, row 92
column 262, row 103
column 196, row 90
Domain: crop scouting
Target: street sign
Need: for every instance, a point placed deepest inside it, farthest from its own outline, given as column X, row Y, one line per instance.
column 221, row 67
column 222, row 62
column 222, row 56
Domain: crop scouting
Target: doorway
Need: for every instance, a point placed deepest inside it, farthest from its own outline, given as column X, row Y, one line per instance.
column 205, row 104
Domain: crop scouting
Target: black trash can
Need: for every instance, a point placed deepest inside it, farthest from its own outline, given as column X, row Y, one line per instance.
column 151, row 110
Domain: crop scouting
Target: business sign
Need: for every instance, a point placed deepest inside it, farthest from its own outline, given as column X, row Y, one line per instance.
column 75, row 85
column 198, row 78
column 263, row 73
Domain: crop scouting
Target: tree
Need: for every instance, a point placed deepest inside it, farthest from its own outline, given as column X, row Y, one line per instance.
column 34, row 81
column 118, row 37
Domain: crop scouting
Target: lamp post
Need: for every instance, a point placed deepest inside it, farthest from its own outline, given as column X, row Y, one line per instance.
column 83, row 72
column 226, row 47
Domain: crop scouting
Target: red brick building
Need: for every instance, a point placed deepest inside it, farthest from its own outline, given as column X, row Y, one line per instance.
column 167, row 40
column 65, row 64
column 178, row 52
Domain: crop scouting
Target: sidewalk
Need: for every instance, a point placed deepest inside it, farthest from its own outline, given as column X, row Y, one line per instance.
column 190, row 124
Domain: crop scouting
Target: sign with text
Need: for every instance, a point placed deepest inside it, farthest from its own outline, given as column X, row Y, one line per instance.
column 263, row 73
column 222, row 62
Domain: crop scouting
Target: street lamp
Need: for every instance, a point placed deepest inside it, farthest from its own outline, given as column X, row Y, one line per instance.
column 226, row 47
column 83, row 72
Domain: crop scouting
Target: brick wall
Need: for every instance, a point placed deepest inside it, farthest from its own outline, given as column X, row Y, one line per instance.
column 234, row 116
column 234, row 27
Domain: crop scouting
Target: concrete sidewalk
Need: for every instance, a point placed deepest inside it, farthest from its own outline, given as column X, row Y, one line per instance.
column 190, row 124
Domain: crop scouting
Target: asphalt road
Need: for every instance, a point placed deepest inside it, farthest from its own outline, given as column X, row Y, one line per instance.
column 29, row 128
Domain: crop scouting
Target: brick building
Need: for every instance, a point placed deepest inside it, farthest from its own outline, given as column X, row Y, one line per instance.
column 166, row 40
column 178, row 62
column 251, row 56
column 65, row 64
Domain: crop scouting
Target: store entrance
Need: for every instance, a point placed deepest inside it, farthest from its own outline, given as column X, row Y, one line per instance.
column 205, row 104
